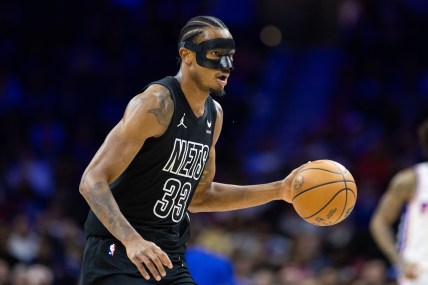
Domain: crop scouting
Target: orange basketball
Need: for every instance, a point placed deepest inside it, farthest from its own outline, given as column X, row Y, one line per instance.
column 323, row 192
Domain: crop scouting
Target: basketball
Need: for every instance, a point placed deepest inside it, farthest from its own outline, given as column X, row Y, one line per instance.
column 323, row 192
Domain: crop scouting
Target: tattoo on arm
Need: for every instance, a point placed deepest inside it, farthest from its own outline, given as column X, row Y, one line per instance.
column 102, row 203
column 98, row 186
column 162, row 113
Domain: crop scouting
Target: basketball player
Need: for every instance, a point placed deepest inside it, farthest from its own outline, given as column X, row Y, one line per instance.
column 158, row 162
column 408, row 189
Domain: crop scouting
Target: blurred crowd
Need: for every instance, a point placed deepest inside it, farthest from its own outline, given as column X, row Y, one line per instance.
column 68, row 69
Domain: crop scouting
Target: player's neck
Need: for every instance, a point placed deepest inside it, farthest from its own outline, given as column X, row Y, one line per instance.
column 195, row 97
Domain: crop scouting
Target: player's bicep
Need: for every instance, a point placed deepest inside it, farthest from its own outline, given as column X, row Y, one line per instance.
column 113, row 156
column 145, row 116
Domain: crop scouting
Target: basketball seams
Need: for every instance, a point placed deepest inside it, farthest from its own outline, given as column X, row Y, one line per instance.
column 331, row 200
column 317, row 168
column 344, row 206
column 340, row 218
column 326, row 204
column 346, row 197
column 320, row 185
column 346, row 192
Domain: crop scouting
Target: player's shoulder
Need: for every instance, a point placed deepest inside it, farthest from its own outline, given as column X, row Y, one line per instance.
column 405, row 176
column 404, row 182
column 153, row 107
column 154, row 97
column 155, row 94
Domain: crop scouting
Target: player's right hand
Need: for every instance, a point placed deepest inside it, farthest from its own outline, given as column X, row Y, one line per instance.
column 147, row 255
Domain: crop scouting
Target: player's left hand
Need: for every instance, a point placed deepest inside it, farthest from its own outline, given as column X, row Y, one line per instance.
column 287, row 184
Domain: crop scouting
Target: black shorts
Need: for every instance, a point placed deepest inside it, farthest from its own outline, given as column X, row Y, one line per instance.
column 105, row 263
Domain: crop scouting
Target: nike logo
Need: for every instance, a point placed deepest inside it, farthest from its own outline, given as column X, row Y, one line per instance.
column 209, row 124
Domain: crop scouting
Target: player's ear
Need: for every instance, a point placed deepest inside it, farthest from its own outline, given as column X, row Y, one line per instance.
column 185, row 55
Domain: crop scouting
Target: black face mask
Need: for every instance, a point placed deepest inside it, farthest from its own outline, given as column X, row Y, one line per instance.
column 225, row 62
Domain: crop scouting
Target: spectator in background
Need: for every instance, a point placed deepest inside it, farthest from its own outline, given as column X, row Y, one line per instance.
column 39, row 275
column 23, row 242
column 407, row 189
column 35, row 274
column 4, row 272
column 373, row 273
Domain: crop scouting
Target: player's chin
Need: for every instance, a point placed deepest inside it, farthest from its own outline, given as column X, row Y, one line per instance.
column 218, row 92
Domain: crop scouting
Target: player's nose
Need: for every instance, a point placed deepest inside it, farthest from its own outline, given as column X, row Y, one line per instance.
column 226, row 63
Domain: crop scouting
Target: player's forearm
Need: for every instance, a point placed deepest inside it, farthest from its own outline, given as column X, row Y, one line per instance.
column 384, row 237
column 226, row 197
column 100, row 199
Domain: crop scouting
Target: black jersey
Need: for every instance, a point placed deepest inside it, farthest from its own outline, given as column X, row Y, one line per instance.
column 155, row 190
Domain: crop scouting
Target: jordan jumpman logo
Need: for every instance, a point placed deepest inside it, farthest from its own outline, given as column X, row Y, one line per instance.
column 182, row 121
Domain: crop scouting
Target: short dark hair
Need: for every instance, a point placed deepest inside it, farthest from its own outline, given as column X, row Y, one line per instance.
column 423, row 136
column 196, row 26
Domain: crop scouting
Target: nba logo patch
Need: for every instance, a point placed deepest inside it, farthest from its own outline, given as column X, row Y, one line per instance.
column 112, row 249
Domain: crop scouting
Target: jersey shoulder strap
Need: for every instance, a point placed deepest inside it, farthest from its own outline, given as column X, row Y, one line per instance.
column 168, row 82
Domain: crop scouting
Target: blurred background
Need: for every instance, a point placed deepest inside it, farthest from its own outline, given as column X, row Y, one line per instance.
column 345, row 80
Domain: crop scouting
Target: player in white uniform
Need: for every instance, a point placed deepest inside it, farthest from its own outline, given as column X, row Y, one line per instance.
column 407, row 190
